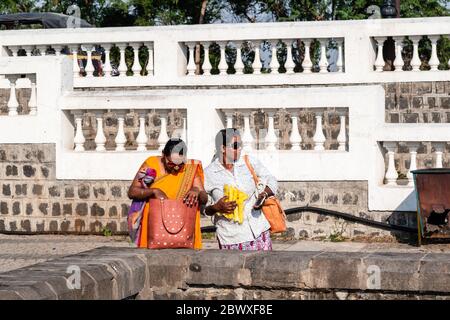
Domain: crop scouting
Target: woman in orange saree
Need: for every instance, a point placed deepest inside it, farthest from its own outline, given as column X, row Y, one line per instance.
column 175, row 178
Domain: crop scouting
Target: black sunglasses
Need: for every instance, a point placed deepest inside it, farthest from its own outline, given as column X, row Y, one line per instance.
column 236, row 145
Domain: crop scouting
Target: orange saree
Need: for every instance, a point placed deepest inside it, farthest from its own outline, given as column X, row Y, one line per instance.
column 175, row 186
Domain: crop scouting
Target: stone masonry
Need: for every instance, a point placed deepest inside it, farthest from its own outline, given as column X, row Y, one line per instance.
column 127, row 273
column 33, row 200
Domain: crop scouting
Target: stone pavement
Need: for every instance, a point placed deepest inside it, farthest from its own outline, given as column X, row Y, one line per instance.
column 17, row 251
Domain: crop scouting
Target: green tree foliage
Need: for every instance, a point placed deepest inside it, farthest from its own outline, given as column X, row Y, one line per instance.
column 105, row 13
column 16, row 6
column 311, row 10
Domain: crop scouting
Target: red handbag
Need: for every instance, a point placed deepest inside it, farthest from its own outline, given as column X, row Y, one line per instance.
column 171, row 224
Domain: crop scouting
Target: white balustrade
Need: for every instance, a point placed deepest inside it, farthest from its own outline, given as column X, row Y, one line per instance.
column 100, row 138
column 257, row 62
column 342, row 136
column 120, row 139
column 184, row 130
column 289, row 65
column 57, row 49
column 295, row 137
column 229, row 118
column 32, row 103
column 142, row 138
column 323, row 63
column 107, row 65
column 223, row 66
column 391, row 173
column 247, row 138
column 122, row 63
column 271, row 138
column 434, row 61
column 42, row 50
column 13, row 104
column 307, row 63
column 319, row 138
column 439, row 148
column 172, row 66
column 14, row 83
column 413, row 146
column 398, row 62
column 163, row 136
column 79, row 139
column 136, row 67
column 191, row 65
column 274, row 64
column 27, row 50
column 76, row 66
column 239, row 65
column 340, row 59
column 89, row 65
column 379, row 62
column 206, row 63
column 415, row 62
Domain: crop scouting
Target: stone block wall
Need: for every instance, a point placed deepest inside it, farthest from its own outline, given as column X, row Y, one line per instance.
column 33, row 200
column 418, row 102
column 128, row 273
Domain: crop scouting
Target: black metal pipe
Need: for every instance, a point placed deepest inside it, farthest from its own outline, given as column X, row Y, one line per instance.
column 342, row 215
column 208, row 229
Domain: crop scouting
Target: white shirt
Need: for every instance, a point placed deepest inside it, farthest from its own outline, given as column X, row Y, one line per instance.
column 255, row 223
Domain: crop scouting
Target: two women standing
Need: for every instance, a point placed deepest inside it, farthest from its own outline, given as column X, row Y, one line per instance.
column 179, row 178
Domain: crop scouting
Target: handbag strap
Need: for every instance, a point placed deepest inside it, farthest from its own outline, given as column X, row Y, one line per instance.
column 252, row 171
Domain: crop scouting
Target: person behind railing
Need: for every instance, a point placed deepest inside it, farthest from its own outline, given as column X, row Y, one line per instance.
column 169, row 176
column 229, row 171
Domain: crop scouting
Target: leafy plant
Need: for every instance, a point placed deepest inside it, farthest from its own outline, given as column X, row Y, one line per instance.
column 337, row 234
column 106, row 232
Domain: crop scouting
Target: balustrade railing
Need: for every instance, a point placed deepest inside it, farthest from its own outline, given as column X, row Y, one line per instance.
column 394, row 176
column 113, row 137
column 263, row 134
column 331, row 52
column 13, row 83
column 274, row 56
column 101, row 59
column 402, row 53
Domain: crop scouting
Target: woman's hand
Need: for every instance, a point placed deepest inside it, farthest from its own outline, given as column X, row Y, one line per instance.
column 191, row 198
column 260, row 201
column 157, row 194
column 223, row 206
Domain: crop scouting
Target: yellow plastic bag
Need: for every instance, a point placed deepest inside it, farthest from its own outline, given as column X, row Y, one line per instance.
column 240, row 197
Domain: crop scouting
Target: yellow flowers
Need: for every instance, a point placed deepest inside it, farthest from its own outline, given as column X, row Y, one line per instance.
column 237, row 195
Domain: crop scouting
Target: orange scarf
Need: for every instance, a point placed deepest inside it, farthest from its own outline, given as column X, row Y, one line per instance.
column 175, row 186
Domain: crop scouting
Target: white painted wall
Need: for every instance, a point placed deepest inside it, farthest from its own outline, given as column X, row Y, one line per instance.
column 363, row 161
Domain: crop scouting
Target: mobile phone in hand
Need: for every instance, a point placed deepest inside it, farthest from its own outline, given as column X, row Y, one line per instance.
column 259, row 202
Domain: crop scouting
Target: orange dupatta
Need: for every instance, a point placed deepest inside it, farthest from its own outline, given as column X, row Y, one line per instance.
column 175, row 187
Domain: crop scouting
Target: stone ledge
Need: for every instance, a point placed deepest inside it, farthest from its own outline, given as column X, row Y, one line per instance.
column 119, row 273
